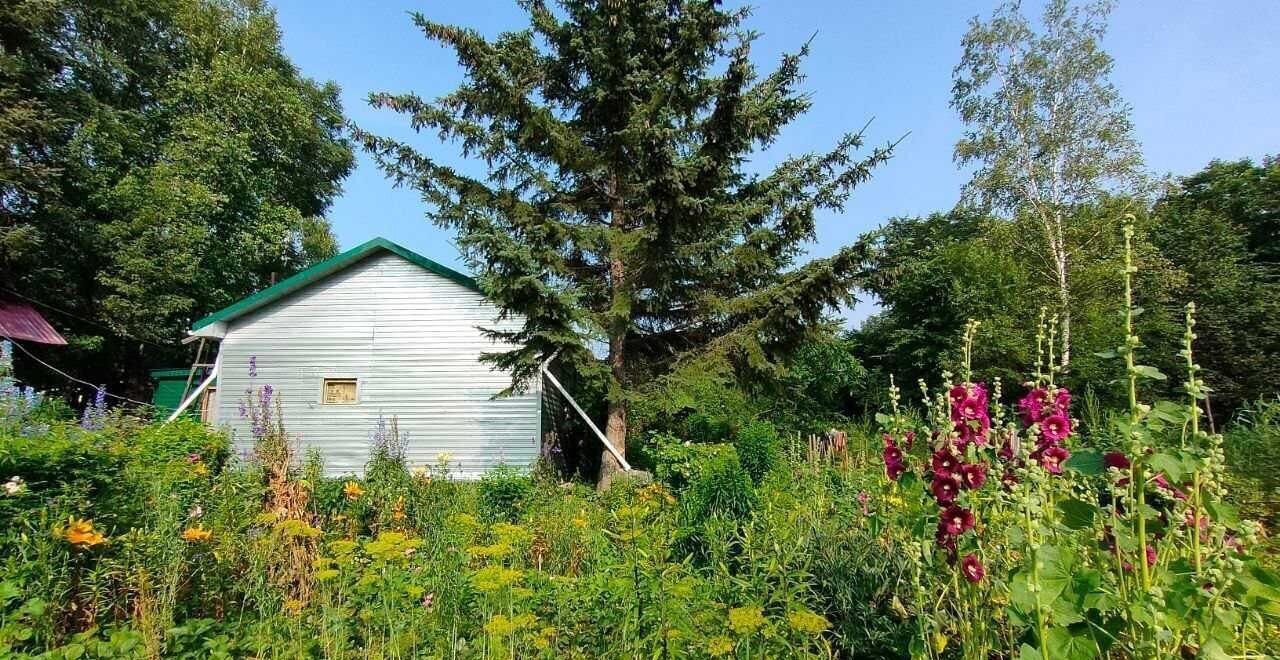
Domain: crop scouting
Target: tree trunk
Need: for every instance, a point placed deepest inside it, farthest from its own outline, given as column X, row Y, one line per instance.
column 1064, row 302
column 619, row 316
column 616, row 425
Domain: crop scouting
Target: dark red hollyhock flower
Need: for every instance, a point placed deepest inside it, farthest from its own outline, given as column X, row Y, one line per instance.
column 972, row 568
column 894, row 470
column 1053, row 458
column 888, row 440
column 972, row 476
column 957, row 394
column 1114, row 459
column 946, row 542
column 910, row 438
column 892, row 454
column 1008, row 480
column 945, row 461
column 945, row 487
column 956, row 520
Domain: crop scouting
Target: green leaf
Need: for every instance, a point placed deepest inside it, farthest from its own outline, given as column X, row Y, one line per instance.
column 1029, row 652
column 1077, row 514
column 1148, row 371
column 883, row 419
column 1224, row 513
column 1170, row 465
column 1088, row 462
column 1071, row 643
column 1107, row 354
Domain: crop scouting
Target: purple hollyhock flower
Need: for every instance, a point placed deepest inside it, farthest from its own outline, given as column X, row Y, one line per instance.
column 1114, row 459
column 972, row 568
column 973, row 475
column 956, row 520
column 1053, row 457
column 945, row 461
column 945, row 487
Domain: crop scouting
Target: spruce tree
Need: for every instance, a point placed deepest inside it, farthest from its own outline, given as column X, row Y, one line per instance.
column 619, row 214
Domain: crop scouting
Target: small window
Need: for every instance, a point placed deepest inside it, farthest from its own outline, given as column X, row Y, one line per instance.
column 339, row 391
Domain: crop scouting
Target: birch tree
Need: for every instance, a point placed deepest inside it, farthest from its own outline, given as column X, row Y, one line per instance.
column 1046, row 128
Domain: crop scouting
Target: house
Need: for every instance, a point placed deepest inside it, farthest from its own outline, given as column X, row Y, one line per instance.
column 374, row 333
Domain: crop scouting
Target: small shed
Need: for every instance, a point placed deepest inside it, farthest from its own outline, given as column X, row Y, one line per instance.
column 376, row 332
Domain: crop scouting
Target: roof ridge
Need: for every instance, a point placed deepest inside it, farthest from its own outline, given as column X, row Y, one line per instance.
column 323, row 270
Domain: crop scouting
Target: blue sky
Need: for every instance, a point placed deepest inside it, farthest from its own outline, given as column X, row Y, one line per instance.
column 1200, row 75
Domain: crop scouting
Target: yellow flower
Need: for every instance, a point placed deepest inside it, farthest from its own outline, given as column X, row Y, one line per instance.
column 746, row 620
column 81, row 533
column 939, row 642
column 579, row 522
column 493, row 578
column 807, row 622
column 200, row 469
column 719, row 646
column 352, row 490
column 196, row 534
column 327, row 574
column 293, row 606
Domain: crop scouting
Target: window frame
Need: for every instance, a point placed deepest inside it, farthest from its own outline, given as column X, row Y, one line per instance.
column 324, row 388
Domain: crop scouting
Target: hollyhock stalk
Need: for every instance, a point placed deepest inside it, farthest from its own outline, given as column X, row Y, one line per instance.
column 1137, row 470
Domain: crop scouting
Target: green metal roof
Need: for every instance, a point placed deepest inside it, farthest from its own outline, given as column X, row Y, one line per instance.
column 325, row 269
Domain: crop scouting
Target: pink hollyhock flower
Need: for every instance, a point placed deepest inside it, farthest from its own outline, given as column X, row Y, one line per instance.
column 972, row 568
column 945, row 487
column 1055, row 427
column 972, row 476
column 1114, row 459
column 964, row 435
column 970, row 408
column 957, row 394
column 1162, row 483
column 956, row 520
column 1053, row 458
column 945, row 461
column 1151, row 555
column 1032, row 406
column 863, row 498
column 1062, row 400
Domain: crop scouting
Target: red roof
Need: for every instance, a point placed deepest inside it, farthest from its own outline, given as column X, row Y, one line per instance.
column 21, row 321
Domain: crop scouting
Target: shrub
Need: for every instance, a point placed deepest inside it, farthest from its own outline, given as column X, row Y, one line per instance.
column 718, row 484
column 503, row 492
column 759, row 448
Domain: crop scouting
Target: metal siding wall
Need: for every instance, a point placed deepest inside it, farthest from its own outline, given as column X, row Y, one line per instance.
column 411, row 339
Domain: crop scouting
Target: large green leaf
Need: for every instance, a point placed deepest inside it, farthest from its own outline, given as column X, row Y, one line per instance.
column 1088, row 462
column 1073, row 643
column 1077, row 514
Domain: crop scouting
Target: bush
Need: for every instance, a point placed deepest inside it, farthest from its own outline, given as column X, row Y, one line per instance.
column 503, row 492
column 759, row 448
column 718, row 484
